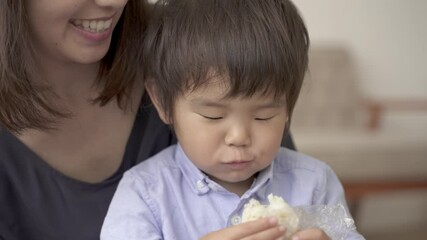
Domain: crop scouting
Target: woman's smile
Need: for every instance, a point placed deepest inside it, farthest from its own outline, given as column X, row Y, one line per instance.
column 93, row 26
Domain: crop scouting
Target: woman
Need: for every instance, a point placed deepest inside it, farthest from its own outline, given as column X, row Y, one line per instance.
column 73, row 115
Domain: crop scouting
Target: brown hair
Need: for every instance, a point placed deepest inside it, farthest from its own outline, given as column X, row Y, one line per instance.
column 260, row 46
column 24, row 105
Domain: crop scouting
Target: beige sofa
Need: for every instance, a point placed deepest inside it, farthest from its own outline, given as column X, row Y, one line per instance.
column 374, row 146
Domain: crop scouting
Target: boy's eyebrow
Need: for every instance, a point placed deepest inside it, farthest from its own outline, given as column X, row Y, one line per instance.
column 206, row 102
column 214, row 103
column 274, row 104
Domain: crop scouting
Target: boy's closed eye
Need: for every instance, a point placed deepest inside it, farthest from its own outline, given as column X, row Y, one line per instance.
column 265, row 118
column 210, row 117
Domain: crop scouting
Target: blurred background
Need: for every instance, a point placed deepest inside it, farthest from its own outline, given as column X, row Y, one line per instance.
column 363, row 109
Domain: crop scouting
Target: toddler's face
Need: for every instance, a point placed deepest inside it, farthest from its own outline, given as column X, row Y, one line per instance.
column 229, row 139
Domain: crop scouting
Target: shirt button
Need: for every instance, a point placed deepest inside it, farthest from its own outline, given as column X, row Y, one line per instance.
column 200, row 184
column 235, row 220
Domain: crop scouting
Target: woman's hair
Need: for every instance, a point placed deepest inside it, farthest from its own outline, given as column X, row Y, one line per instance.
column 25, row 105
column 259, row 46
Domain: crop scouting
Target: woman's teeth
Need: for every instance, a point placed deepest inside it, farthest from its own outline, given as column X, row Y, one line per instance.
column 94, row 26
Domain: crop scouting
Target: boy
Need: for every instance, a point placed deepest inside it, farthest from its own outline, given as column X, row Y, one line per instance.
column 225, row 75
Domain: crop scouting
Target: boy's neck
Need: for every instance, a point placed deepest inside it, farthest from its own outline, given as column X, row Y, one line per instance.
column 238, row 188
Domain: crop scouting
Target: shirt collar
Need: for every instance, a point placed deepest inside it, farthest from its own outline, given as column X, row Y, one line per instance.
column 263, row 178
column 195, row 178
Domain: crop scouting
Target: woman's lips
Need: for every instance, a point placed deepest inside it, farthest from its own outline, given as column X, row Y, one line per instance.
column 94, row 30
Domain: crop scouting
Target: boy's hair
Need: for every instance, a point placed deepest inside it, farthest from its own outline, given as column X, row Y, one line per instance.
column 24, row 105
column 259, row 46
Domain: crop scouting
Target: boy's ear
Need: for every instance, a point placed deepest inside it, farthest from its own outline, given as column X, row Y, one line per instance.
column 152, row 93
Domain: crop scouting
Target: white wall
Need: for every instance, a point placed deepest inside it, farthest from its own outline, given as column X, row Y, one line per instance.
column 387, row 38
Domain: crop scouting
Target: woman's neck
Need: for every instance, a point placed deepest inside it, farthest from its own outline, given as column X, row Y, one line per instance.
column 72, row 83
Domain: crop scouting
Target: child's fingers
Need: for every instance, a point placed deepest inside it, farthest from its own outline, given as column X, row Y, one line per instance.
column 274, row 233
column 311, row 234
column 265, row 228
column 262, row 229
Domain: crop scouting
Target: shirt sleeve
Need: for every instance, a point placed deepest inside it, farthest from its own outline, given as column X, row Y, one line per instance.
column 331, row 192
column 131, row 215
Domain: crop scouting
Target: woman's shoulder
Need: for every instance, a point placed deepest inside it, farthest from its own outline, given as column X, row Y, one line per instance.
column 12, row 151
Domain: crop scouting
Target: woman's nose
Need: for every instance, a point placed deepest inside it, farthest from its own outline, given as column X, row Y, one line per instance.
column 112, row 3
column 238, row 135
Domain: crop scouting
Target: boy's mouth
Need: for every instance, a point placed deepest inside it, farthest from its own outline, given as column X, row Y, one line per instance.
column 238, row 165
column 94, row 26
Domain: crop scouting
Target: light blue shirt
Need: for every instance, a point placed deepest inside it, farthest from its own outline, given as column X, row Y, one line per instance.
column 168, row 197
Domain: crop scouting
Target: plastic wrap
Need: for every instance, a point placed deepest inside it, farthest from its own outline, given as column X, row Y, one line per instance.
column 333, row 220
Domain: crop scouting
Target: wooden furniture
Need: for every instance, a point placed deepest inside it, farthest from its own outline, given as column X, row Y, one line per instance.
column 357, row 190
column 376, row 108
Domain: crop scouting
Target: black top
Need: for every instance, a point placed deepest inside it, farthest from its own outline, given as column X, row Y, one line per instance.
column 39, row 203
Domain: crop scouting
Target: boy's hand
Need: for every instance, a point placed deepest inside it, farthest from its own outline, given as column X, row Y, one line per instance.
column 311, row 234
column 261, row 229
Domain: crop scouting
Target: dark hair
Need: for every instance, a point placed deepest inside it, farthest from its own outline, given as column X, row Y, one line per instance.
column 25, row 105
column 260, row 46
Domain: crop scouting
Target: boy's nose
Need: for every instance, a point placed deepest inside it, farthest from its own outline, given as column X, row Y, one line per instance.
column 238, row 136
column 111, row 3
